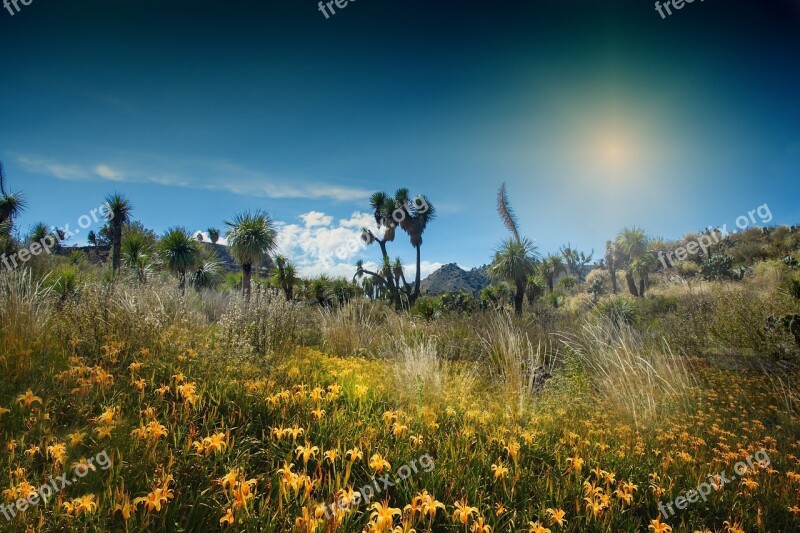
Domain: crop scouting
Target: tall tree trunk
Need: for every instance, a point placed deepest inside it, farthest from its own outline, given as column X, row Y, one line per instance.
column 418, row 278
column 612, row 271
column 631, row 283
column 519, row 297
column 247, row 270
column 393, row 289
column 182, row 282
column 642, row 286
column 116, row 256
column 550, row 282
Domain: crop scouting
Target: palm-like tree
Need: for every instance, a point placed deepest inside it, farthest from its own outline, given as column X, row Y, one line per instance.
column 550, row 268
column 180, row 253
column 118, row 213
column 632, row 244
column 612, row 261
column 285, row 276
column 207, row 273
column 213, row 235
column 252, row 236
column 11, row 204
column 514, row 261
column 417, row 214
column 136, row 255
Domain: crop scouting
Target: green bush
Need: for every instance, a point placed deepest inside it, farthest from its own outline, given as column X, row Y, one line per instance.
column 717, row 267
column 619, row 309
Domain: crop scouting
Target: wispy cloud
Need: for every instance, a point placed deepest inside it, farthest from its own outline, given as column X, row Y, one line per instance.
column 216, row 175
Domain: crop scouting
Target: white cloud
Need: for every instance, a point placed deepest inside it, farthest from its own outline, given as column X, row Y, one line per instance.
column 215, row 175
column 320, row 246
column 315, row 218
column 61, row 171
column 104, row 171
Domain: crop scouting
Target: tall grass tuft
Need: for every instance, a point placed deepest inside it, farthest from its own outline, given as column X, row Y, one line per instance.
column 25, row 314
column 513, row 362
column 358, row 328
column 430, row 377
column 642, row 379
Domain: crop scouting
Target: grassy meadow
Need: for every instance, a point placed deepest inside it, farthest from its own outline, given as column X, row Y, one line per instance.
column 222, row 414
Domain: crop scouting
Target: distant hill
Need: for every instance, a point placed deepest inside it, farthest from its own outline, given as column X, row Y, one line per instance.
column 452, row 278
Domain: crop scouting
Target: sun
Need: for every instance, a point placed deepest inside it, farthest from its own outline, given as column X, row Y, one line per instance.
column 613, row 153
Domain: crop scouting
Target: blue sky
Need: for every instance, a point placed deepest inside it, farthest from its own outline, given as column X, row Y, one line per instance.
column 595, row 117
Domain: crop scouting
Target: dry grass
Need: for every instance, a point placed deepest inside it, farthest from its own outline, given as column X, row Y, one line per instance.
column 641, row 379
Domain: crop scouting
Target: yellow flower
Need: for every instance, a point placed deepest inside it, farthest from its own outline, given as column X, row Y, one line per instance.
column 107, row 417
column 556, row 516
column 480, row 527
column 354, row 454
column 499, row 470
column 28, row 398
column 103, row 432
column 306, row 452
column 58, row 453
column 379, row 464
column 3, row 411
column 331, row 455
column 125, row 508
column 76, row 438
column 228, row 518
column 84, row 505
column 382, row 516
column 536, row 527
column 463, row 512
column 657, row 527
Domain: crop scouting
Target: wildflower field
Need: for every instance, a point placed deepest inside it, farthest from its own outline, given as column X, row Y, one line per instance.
column 203, row 433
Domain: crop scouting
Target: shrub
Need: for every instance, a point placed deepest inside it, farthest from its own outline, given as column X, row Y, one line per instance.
column 618, row 309
column 427, row 307
column 717, row 267
column 262, row 327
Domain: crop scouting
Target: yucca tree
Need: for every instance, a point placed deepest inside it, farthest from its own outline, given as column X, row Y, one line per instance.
column 11, row 204
column 180, row 253
column 213, row 235
column 207, row 273
column 252, row 236
column 285, row 276
column 136, row 255
column 417, row 214
column 383, row 207
column 550, row 267
column 632, row 246
column 118, row 213
column 39, row 232
column 612, row 261
column 515, row 260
